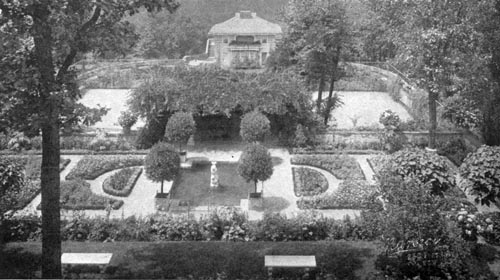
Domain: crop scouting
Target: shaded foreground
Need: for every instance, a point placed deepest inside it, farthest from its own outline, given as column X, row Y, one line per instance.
column 344, row 260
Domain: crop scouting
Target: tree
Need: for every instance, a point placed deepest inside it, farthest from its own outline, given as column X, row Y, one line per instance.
column 254, row 126
column 179, row 128
column 45, row 37
column 11, row 181
column 480, row 173
column 255, row 164
column 126, row 121
column 162, row 163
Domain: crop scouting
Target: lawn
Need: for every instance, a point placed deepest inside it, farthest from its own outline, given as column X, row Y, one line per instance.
column 193, row 185
column 237, row 260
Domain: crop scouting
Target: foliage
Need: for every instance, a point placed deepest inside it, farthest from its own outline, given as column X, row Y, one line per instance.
column 127, row 119
column 254, row 126
column 77, row 116
column 427, row 167
column 300, row 139
column 11, row 182
column 122, row 182
column 92, row 166
column 19, row 142
column 480, row 173
column 255, row 164
column 341, row 166
column 462, row 112
column 180, row 127
column 308, row 182
column 162, row 163
column 390, row 120
column 350, row 195
column 76, row 195
column 454, row 149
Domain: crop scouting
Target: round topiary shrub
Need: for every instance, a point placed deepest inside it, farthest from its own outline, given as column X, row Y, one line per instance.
column 180, row 127
column 255, row 164
column 480, row 171
column 254, row 126
column 427, row 167
column 162, row 163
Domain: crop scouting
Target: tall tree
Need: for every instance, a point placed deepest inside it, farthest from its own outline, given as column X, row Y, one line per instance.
column 46, row 37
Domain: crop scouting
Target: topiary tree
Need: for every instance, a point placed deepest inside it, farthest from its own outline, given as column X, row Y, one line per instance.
column 255, row 164
column 300, row 136
column 179, row 128
column 427, row 167
column 254, row 126
column 480, row 171
column 162, row 163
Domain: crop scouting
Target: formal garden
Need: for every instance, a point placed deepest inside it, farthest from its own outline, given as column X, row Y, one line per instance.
column 367, row 143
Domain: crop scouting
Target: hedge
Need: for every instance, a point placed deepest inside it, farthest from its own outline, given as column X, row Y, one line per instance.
column 92, row 166
column 122, row 183
column 307, row 181
column 343, row 167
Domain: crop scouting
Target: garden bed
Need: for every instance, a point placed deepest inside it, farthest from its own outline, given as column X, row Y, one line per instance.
column 76, row 195
column 193, row 185
column 350, row 195
column 341, row 166
column 308, row 182
column 92, row 166
column 122, row 182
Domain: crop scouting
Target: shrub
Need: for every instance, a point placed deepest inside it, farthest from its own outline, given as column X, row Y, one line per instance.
column 350, row 195
column 162, row 163
column 122, row 182
column 427, row 167
column 127, row 119
column 341, row 166
column 455, row 149
column 300, row 136
column 179, row 128
column 11, row 182
column 390, row 120
column 480, row 171
column 307, row 181
column 254, row 126
column 19, row 142
column 92, row 166
column 255, row 164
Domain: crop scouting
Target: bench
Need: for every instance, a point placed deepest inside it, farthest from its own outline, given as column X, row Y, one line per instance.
column 101, row 260
column 284, row 261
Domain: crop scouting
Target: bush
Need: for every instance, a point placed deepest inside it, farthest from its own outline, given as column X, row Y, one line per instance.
column 341, row 166
column 19, row 142
column 455, row 150
column 480, row 171
column 390, row 120
column 254, row 126
column 92, row 166
column 127, row 119
column 307, row 181
column 427, row 167
column 350, row 195
column 162, row 163
column 122, row 182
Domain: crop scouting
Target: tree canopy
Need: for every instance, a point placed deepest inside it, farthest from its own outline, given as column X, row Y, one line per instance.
column 255, row 164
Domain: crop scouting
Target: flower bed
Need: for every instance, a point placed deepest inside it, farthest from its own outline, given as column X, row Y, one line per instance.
column 308, row 182
column 76, row 195
column 92, row 166
column 377, row 163
column 341, row 166
column 122, row 182
column 350, row 195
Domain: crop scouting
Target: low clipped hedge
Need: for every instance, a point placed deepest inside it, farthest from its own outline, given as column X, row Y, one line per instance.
column 122, row 182
column 343, row 167
column 92, row 166
column 308, row 182
column 350, row 195
column 77, row 195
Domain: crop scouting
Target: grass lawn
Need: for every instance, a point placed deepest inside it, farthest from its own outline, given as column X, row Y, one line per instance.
column 193, row 185
column 238, row 260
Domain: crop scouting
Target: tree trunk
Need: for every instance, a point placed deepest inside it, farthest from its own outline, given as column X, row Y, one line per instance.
column 432, row 118
column 330, row 95
column 161, row 188
column 320, row 92
column 255, row 183
column 50, row 181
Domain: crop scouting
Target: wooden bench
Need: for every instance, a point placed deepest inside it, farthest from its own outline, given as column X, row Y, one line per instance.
column 284, row 261
column 100, row 260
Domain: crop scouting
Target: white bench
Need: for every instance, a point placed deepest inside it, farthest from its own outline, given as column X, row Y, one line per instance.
column 285, row 261
column 97, row 259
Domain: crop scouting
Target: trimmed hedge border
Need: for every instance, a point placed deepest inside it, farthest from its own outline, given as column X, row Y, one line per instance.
column 302, row 151
column 93, row 166
column 107, row 188
column 316, row 160
column 308, row 182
